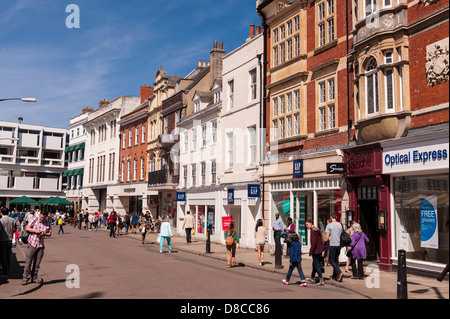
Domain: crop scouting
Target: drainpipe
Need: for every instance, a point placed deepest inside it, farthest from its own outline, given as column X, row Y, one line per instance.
column 262, row 103
column 349, row 121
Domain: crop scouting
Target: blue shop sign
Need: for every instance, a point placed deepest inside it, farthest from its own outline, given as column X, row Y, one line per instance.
column 254, row 190
column 298, row 168
column 230, row 196
column 181, row 196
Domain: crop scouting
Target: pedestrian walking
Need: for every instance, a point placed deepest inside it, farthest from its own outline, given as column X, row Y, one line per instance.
column 39, row 229
column 188, row 224
column 358, row 251
column 166, row 235
column 7, row 231
column 134, row 223
column 112, row 224
column 317, row 247
column 143, row 230
column 350, row 232
column 231, row 241
column 60, row 224
column 295, row 260
column 260, row 239
column 127, row 222
column 334, row 230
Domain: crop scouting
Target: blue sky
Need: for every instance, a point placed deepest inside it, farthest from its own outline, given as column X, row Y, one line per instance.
column 119, row 46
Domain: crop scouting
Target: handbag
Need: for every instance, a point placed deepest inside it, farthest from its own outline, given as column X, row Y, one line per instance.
column 349, row 252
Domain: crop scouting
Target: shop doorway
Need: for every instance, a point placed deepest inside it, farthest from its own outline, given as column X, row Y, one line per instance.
column 367, row 215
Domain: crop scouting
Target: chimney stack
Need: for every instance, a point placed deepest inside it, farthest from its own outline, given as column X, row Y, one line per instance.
column 103, row 103
column 145, row 92
column 87, row 109
column 216, row 62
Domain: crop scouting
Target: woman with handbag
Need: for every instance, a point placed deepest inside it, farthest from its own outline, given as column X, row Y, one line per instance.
column 231, row 240
column 358, row 251
column 350, row 232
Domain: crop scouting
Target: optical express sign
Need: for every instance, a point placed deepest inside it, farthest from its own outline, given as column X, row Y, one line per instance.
column 415, row 158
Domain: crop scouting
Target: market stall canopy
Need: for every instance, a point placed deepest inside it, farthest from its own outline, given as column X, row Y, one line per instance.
column 23, row 201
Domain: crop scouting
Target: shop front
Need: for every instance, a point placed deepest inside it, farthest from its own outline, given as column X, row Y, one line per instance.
column 418, row 168
column 368, row 191
column 305, row 189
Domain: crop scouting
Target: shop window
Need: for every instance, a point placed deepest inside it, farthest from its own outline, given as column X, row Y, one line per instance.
column 422, row 217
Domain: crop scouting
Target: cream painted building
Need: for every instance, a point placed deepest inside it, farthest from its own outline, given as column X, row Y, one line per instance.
column 100, row 190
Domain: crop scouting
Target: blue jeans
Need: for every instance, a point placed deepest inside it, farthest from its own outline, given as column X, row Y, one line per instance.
column 316, row 266
column 297, row 265
column 334, row 260
column 161, row 243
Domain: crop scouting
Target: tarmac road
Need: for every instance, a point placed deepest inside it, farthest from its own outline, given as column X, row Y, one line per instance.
column 124, row 268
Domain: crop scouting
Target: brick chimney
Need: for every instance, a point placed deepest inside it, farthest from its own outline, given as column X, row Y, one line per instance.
column 252, row 30
column 87, row 109
column 145, row 92
column 103, row 103
column 216, row 62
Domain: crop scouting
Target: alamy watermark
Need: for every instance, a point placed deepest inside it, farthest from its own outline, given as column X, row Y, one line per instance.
column 73, row 19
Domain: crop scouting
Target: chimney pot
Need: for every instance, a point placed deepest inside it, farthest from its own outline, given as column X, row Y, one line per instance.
column 221, row 45
column 252, row 30
column 258, row 29
column 215, row 44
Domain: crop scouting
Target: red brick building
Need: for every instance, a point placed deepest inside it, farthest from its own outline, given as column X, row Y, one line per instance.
column 372, row 83
column 133, row 156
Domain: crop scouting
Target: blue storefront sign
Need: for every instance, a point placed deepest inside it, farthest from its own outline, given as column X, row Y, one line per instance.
column 230, row 196
column 298, row 168
column 254, row 190
column 181, row 196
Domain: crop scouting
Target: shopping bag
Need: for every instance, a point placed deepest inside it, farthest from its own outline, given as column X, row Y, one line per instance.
column 343, row 255
column 159, row 238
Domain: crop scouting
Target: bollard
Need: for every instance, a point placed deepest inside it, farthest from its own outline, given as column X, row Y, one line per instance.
column 402, row 287
column 278, row 253
column 208, row 241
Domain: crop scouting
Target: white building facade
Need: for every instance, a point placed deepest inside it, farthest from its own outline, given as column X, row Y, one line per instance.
column 100, row 189
column 31, row 161
column 240, row 135
column 75, row 155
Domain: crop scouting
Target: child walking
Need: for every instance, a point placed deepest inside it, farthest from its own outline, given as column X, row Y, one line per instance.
column 60, row 223
column 295, row 260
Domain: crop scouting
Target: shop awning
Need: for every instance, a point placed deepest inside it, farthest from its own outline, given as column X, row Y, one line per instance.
column 73, row 172
column 80, row 146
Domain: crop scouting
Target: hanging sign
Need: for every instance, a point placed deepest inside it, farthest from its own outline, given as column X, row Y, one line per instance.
column 230, row 196
column 429, row 222
column 298, row 168
column 254, row 190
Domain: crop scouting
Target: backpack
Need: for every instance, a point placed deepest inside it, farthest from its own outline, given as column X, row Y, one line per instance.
column 230, row 240
column 345, row 238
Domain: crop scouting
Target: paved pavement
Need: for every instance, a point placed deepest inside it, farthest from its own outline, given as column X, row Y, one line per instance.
column 376, row 285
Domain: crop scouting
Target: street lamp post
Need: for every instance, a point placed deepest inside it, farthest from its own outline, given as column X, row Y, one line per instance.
column 24, row 99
